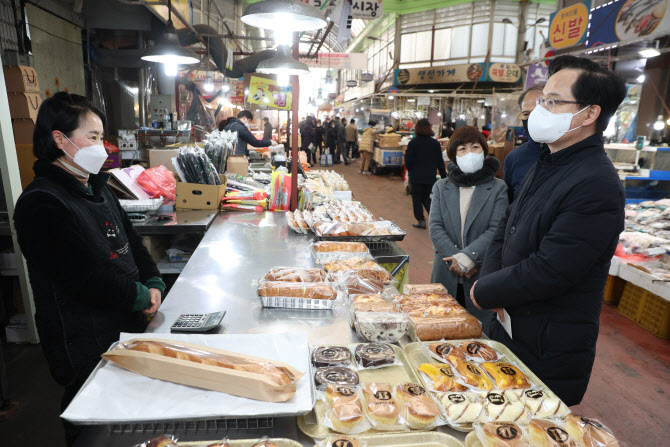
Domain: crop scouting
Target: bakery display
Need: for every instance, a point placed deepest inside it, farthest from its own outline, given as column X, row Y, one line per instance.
column 380, row 405
column 479, row 350
column 444, row 350
column 345, row 410
column 295, row 274
column 500, row 434
column 381, row 327
column 426, row 288
column 417, row 407
column 590, row 432
column 505, row 407
column 542, row 403
column 160, row 441
column 357, row 282
column 374, row 355
column 317, row 291
column 549, row 434
column 470, row 373
column 442, row 377
column 349, row 247
column 506, row 376
column 446, row 328
column 462, row 408
column 325, row 356
column 335, row 375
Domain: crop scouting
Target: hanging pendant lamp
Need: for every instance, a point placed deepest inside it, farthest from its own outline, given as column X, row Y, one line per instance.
column 169, row 50
column 288, row 15
column 283, row 64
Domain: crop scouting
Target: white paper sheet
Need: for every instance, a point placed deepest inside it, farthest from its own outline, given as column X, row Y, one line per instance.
column 507, row 324
column 116, row 395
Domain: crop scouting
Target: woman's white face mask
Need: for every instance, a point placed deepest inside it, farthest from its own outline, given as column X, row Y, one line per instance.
column 470, row 162
column 89, row 158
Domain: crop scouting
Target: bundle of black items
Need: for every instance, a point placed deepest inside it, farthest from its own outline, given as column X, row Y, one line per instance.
column 196, row 167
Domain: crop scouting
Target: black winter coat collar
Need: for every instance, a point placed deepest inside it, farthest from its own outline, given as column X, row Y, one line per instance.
column 574, row 153
column 97, row 182
column 484, row 175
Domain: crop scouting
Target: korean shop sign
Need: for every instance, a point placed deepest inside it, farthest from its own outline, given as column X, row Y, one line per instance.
column 367, row 9
column 500, row 72
column 567, row 27
column 441, row 75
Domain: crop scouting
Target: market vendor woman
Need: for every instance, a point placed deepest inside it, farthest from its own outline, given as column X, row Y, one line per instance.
column 91, row 276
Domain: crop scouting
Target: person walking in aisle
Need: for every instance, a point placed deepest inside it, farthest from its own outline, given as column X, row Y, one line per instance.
column 367, row 147
column 342, row 141
column 523, row 157
column 267, row 129
column 467, row 207
column 92, row 277
column 352, row 139
column 319, row 135
column 244, row 136
column 447, row 130
column 423, row 160
column 331, row 139
column 308, row 135
column 550, row 257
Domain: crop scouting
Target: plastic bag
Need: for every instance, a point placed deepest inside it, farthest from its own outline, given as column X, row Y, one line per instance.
column 296, row 274
column 590, row 432
column 417, row 407
column 493, row 433
column 542, row 403
column 375, row 355
column 505, row 407
column 462, row 408
column 344, row 412
column 110, row 148
column 381, row 327
column 426, row 288
column 506, row 376
column 160, row 441
column 355, row 282
column 341, row 441
column 440, row 378
column 382, row 408
column 470, row 374
column 158, row 182
column 326, row 356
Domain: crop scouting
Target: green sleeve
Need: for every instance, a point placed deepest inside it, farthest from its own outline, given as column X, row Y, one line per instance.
column 143, row 299
column 155, row 283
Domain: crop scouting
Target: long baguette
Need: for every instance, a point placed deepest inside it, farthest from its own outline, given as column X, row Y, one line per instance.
column 317, row 291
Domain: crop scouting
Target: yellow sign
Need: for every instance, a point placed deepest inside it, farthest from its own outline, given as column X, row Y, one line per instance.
column 266, row 92
column 567, row 27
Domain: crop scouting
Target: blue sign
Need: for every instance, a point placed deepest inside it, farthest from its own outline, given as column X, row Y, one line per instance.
column 601, row 27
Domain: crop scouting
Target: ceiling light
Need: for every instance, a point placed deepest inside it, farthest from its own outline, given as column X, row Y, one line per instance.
column 282, row 63
column 461, row 116
column 504, row 115
column 482, row 117
column 283, row 80
column 439, row 113
column 168, row 49
column 209, row 87
column 391, row 97
column 283, row 37
column 226, row 88
column 283, row 15
column 481, row 101
column 649, row 52
column 411, row 100
column 641, row 79
column 431, row 91
column 171, row 69
column 659, row 125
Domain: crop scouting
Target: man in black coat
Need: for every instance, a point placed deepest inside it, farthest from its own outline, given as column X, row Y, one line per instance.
column 549, row 259
column 342, row 142
column 244, row 136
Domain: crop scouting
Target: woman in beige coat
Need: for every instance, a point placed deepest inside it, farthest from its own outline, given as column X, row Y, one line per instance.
column 367, row 147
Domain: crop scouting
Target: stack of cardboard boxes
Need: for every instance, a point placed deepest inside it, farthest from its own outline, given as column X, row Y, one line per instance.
column 23, row 92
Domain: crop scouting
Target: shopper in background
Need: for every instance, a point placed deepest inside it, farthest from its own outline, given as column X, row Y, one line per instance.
column 331, row 138
column 319, row 135
column 267, row 129
column 447, row 130
column 467, row 208
column 352, row 139
column 367, row 146
column 308, row 135
column 342, row 141
column 423, row 160
column 91, row 276
column 244, row 136
column 522, row 158
column 550, row 257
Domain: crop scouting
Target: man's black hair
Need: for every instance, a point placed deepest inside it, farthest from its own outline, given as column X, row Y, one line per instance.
column 266, row 119
column 522, row 96
column 245, row 114
column 64, row 112
column 595, row 85
column 353, row 121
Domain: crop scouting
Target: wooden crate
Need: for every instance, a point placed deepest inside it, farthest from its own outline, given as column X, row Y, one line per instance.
column 613, row 290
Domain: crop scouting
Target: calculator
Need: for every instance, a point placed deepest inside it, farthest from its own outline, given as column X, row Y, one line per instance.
column 197, row 322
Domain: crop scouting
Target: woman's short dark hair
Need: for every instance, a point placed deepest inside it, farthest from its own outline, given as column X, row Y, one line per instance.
column 423, row 128
column 595, row 86
column 465, row 135
column 245, row 114
column 222, row 124
column 331, row 124
column 372, row 123
column 64, row 112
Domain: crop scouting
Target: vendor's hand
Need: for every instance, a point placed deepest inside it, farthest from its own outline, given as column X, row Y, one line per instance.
column 454, row 267
column 471, row 273
column 155, row 302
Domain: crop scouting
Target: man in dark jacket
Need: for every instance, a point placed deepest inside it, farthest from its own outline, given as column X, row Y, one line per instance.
column 267, row 129
column 244, row 136
column 342, row 141
column 523, row 157
column 549, row 259
column 308, row 135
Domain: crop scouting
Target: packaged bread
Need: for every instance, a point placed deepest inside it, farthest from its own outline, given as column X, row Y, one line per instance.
column 208, row 368
column 441, row 376
column 542, row 403
column 367, row 298
column 355, row 282
column 416, row 406
column 226, row 443
column 590, row 432
column 374, row 307
column 381, row 407
column 505, row 407
column 325, row 356
column 426, row 288
column 341, row 441
column 381, row 327
column 546, row 433
column 349, row 247
column 500, row 434
column 296, row 274
column 265, row 442
column 432, row 310
column 442, row 351
column 463, row 408
column 375, row 355
column 478, row 350
column 350, row 264
column 470, row 374
column 447, row 328
column 424, row 298
column 160, row 441
column 345, row 410
column 315, row 290
column 335, row 376
column 506, row 376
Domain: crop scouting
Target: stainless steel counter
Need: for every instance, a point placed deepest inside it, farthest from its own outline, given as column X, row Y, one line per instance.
column 237, row 250
column 178, row 222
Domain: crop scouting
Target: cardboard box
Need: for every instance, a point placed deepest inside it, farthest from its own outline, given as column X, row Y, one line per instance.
column 192, row 196
column 389, row 140
column 162, row 157
column 24, row 152
column 238, row 164
column 24, row 105
column 20, row 78
column 23, row 130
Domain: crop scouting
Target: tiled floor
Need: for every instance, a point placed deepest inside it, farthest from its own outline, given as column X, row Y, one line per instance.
column 629, row 389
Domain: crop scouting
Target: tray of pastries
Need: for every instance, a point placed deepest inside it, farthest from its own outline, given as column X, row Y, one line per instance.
column 375, row 231
column 412, row 439
column 263, row 442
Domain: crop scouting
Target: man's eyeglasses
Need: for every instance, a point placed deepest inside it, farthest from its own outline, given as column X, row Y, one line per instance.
column 550, row 104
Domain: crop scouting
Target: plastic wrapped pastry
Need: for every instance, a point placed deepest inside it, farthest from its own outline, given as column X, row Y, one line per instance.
column 426, row 288
column 381, row 407
column 356, row 282
column 506, row 376
column 442, row 377
column 542, row 403
column 505, row 407
column 590, row 432
column 325, row 356
column 463, row 408
column 345, row 410
column 544, row 433
column 479, row 351
column 444, row 350
column 424, row 298
column 350, row 247
column 471, row 374
column 381, row 327
column 296, row 274
column 417, row 407
column 500, row 434
column 315, row 290
column 447, row 328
